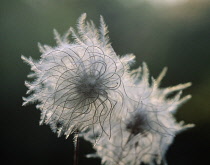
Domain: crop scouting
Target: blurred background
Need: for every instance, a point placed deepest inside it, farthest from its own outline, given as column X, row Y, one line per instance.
column 172, row 33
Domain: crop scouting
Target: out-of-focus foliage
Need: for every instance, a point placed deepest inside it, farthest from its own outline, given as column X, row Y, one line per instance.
column 176, row 36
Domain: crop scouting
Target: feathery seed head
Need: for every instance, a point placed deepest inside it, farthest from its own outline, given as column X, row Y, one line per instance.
column 145, row 132
column 78, row 84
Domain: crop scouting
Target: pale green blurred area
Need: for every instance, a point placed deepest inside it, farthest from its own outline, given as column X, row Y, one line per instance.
column 176, row 36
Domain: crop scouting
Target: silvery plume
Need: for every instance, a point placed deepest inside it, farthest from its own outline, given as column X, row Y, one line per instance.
column 146, row 131
column 78, row 83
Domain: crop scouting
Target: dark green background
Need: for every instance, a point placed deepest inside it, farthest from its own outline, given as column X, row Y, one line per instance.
column 161, row 35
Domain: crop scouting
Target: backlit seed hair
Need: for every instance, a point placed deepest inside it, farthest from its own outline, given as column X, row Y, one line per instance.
column 144, row 133
column 78, row 84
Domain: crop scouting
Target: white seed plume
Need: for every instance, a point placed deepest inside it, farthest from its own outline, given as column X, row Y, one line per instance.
column 78, row 84
column 83, row 86
column 145, row 132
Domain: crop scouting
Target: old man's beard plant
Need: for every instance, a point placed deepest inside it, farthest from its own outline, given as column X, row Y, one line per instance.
column 78, row 84
column 144, row 133
column 83, row 86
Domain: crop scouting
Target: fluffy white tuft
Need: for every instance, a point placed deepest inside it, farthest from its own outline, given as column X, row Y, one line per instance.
column 144, row 133
column 78, row 84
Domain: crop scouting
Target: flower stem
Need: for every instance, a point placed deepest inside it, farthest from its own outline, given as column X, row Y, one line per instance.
column 76, row 148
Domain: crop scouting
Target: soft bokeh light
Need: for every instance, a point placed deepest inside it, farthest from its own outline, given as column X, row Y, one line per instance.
column 169, row 2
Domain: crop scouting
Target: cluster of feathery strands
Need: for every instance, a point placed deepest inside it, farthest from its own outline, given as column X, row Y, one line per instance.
column 84, row 87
